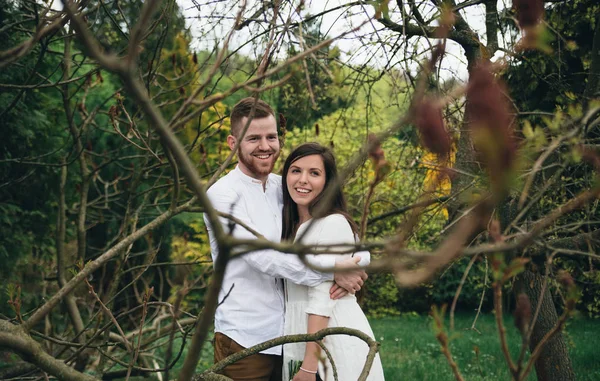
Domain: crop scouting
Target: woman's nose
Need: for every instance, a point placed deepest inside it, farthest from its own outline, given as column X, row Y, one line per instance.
column 303, row 178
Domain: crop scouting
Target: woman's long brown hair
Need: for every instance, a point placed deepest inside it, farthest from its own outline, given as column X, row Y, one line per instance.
column 291, row 219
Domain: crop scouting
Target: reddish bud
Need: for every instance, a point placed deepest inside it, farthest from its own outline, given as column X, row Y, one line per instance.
column 282, row 121
column 282, row 128
column 522, row 313
column 490, row 121
column 181, row 91
column 113, row 112
column 377, row 155
column 331, row 144
column 495, row 231
column 446, row 20
column 565, row 279
column 429, row 122
column 529, row 12
column 195, row 58
column 316, row 129
column 437, row 54
column 375, row 151
column 173, row 60
column 591, row 157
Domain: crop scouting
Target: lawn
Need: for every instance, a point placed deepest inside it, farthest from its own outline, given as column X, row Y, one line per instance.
column 409, row 350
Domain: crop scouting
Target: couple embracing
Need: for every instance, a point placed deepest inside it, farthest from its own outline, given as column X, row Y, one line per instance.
column 266, row 294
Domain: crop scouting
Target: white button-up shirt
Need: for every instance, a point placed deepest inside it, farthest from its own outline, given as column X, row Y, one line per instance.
column 251, row 297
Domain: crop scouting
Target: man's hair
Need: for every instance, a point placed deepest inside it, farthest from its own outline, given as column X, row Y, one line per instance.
column 243, row 109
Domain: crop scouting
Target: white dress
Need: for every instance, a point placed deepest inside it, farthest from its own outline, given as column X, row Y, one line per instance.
column 349, row 353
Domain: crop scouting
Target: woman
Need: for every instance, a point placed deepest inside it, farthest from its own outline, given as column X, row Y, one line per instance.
column 308, row 172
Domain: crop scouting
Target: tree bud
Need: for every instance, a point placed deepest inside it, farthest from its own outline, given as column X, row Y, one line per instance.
column 529, row 12
column 488, row 112
column 429, row 121
column 522, row 313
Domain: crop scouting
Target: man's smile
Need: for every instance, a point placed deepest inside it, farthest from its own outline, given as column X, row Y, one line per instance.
column 263, row 156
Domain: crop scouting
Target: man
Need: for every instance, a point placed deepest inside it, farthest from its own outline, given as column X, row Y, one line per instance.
column 251, row 300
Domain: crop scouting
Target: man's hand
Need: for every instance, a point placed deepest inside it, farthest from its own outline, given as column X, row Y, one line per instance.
column 347, row 281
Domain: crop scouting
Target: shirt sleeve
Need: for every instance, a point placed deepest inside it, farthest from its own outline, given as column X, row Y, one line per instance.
column 319, row 302
column 335, row 229
column 270, row 262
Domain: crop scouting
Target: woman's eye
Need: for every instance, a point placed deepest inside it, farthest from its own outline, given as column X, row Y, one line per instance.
column 315, row 173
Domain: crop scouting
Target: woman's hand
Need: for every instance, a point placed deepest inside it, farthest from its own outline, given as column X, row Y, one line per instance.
column 305, row 376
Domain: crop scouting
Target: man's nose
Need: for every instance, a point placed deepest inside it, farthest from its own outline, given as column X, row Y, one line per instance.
column 264, row 145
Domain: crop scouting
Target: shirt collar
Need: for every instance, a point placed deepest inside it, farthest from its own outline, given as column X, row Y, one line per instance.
column 250, row 180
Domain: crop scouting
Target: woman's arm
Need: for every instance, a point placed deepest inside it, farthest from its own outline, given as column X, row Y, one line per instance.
column 310, row 363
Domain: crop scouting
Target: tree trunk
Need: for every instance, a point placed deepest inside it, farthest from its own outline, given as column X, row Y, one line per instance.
column 554, row 362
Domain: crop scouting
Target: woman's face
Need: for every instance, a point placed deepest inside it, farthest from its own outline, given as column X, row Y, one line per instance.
column 306, row 179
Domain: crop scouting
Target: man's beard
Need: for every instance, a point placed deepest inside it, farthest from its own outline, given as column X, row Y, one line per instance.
column 252, row 163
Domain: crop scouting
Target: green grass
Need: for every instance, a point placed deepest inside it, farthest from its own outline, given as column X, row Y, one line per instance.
column 409, row 350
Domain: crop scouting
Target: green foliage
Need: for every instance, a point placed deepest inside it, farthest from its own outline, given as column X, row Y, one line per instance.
column 381, row 296
column 590, row 283
column 443, row 289
column 303, row 103
column 190, row 244
column 554, row 83
column 29, row 130
column 541, row 81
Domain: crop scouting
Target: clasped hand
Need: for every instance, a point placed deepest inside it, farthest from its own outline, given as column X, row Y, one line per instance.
column 347, row 281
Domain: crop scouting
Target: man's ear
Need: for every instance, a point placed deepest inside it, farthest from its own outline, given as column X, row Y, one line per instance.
column 231, row 142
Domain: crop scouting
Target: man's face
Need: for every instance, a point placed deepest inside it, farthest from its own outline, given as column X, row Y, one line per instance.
column 259, row 148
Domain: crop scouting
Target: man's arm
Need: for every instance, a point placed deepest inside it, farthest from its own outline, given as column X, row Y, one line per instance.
column 268, row 261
